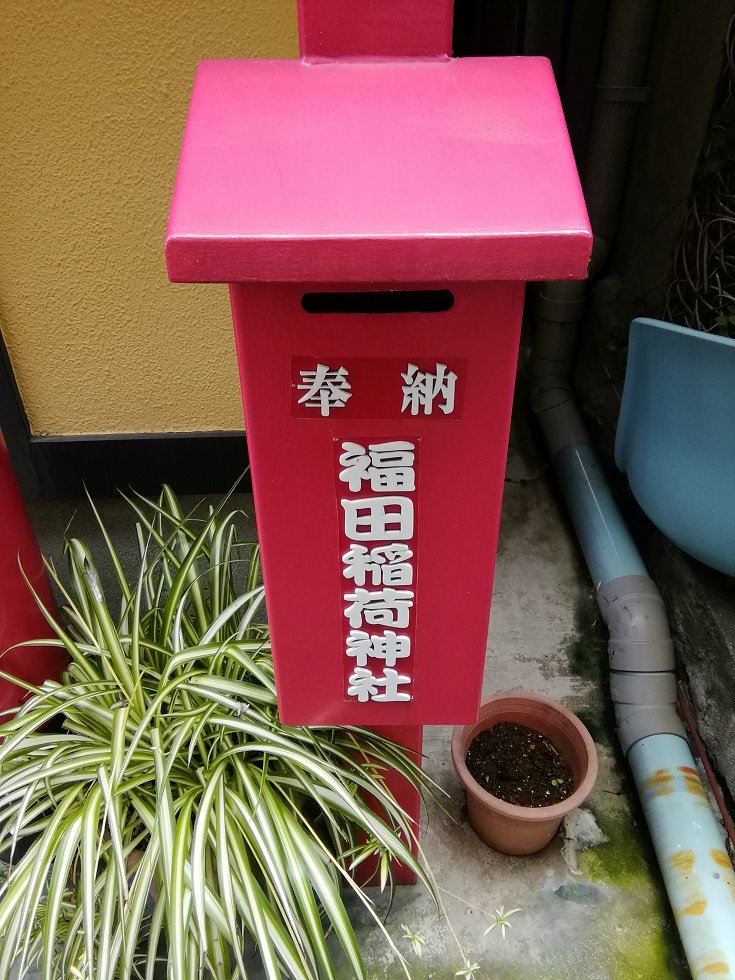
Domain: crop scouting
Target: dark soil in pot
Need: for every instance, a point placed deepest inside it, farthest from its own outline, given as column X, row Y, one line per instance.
column 520, row 766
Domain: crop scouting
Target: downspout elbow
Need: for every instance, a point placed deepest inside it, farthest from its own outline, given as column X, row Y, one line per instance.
column 641, row 654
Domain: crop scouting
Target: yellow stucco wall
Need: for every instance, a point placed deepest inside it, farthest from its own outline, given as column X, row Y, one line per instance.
column 93, row 98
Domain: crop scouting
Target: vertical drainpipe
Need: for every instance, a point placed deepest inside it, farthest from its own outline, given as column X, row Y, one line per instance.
column 697, row 872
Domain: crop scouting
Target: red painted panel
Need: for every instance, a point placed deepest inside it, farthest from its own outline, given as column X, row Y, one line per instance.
column 411, row 738
column 20, row 617
column 305, row 528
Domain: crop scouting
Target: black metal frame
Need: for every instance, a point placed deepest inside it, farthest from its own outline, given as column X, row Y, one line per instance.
column 15, row 429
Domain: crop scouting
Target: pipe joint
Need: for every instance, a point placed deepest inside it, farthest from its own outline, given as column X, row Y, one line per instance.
column 551, row 394
column 636, row 722
column 642, row 680
column 635, row 615
column 559, row 308
column 645, row 655
column 643, row 688
column 556, row 412
column 554, row 351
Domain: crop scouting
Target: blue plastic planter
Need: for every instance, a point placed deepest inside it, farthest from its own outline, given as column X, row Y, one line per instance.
column 676, row 436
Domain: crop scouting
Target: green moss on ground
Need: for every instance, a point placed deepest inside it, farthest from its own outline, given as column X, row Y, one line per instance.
column 646, row 943
column 645, row 953
column 587, row 647
column 599, row 720
column 587, row 655
column 623, row 862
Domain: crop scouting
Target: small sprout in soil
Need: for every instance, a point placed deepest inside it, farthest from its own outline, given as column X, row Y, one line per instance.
column 415, row 938
column 501, row 919
column 468, row 971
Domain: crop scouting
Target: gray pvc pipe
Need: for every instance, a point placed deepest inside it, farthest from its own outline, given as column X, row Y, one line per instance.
column 640, row 648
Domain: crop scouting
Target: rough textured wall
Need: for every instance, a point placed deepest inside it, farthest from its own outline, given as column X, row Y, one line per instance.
column 93, row 98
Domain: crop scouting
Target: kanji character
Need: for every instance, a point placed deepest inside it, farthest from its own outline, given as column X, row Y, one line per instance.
column 387, row 564
column 422, row 388
column 326, row 388
column 388, row 466
column 363, row 685
column 387, row 646
column 386, row 607
column 379, row 518
column 360, row 646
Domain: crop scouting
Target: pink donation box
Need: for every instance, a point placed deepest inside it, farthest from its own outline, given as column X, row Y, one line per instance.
column 377, row 220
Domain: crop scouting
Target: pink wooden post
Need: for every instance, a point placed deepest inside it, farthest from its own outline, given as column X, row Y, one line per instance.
column 377, row 207
column 394, row 29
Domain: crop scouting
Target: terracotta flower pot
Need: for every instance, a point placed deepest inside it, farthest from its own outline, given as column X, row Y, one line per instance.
column 518, row 829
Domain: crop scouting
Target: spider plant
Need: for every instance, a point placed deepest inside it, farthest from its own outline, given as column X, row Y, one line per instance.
column 172, row 810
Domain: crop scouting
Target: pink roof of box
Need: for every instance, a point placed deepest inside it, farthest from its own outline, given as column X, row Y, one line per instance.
column 374, row 170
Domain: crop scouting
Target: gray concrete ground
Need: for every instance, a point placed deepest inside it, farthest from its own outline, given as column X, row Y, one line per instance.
column 611, row 922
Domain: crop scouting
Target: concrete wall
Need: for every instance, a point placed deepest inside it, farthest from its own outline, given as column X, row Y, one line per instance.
column 93, row 98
